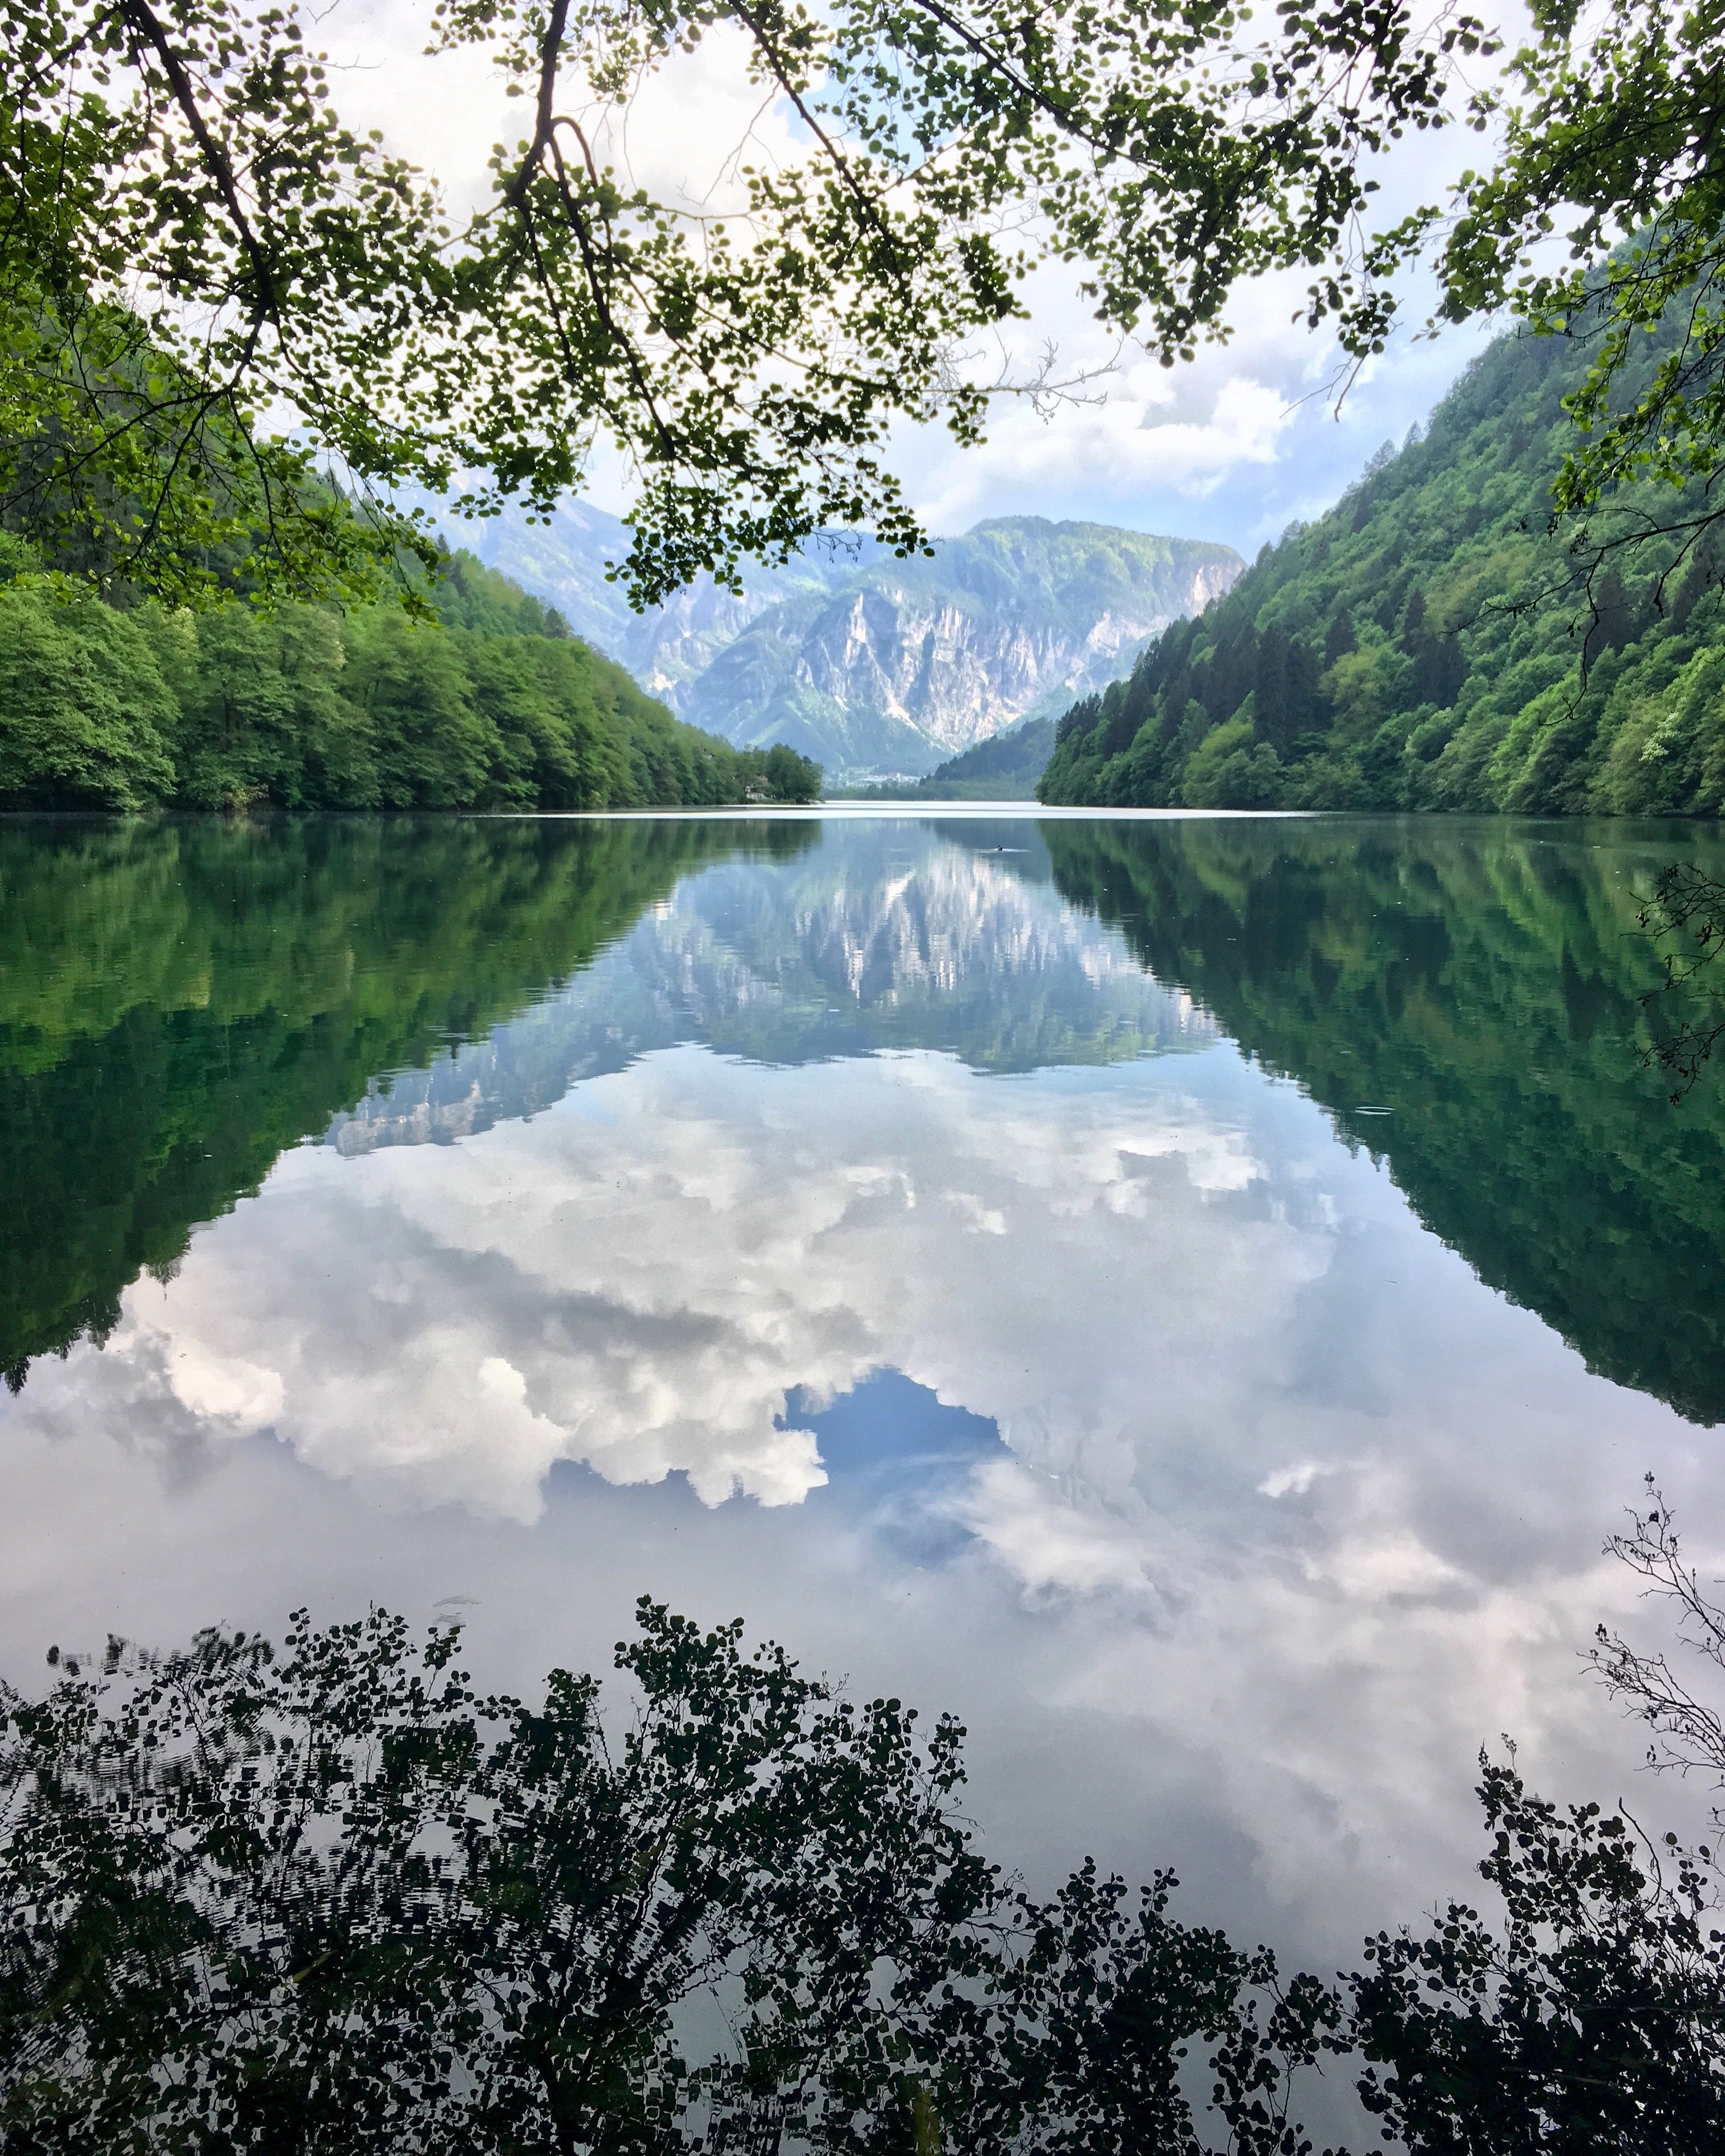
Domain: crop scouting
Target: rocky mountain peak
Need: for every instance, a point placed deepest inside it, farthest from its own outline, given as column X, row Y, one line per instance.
column 871, row 663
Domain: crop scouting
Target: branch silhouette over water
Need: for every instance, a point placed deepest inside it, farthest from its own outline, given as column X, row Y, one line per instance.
column 1685, row 918
column 331, row 1898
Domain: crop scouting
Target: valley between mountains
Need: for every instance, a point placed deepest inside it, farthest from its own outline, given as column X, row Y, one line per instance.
column 874, row 666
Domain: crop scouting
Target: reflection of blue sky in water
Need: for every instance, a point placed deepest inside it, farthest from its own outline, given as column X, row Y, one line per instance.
column 1018, row 1366
column 901, row 1451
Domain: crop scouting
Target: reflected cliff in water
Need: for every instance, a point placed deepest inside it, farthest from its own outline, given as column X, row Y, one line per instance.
column 182, row 1003
column 994, row 1257
column 891, row 936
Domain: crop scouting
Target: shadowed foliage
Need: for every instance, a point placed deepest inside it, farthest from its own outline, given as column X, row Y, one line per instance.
column 333, row 1899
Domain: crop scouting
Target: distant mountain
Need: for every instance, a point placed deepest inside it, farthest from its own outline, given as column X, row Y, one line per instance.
column 904, row 663
column 668, row 647
column 868, row 664
column 1004, row 768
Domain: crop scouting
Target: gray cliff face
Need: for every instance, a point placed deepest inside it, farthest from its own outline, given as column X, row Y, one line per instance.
column 872, row 665
column 566, row 562
column 908, row 663
column 669, row 647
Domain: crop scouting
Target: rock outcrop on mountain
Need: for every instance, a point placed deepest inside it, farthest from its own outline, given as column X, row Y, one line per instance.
column 907, row 663
column 870, row 664
column 565, row 560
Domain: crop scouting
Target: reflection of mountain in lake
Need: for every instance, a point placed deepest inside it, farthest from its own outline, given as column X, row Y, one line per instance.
column 890, row 936
column 1479, row 982
column 182, row 1001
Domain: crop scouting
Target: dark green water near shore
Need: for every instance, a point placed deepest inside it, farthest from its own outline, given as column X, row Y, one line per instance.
column 1192, row 1294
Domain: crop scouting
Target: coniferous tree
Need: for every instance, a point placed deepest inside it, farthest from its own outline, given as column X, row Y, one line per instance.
column 1414, row 634
column 1464, row 641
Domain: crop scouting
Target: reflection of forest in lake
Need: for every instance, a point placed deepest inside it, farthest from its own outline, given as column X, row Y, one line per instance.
column 1479, row 981
column 182, row 1001
column 841, row 1225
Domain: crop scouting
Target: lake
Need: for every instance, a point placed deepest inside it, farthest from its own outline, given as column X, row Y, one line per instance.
column 1190, row 1294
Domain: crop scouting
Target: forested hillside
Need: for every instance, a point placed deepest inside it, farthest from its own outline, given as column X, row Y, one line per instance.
column 104, row 706
column 1429, row 644
column 1004, row 768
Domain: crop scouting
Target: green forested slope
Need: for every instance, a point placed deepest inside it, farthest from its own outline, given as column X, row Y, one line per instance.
column 1386, row 656
column 1004, row 768
column 106, row 708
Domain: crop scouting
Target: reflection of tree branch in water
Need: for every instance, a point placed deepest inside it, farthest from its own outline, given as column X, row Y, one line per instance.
column 334, row 1899
column 1686, row 913
column 1688, row 1733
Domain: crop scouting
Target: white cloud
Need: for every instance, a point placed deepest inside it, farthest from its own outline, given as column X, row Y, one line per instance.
column 681, row 137
column 1120, row 450
column 1048, row 1544
column 1294, row 1481
column 231, row 1391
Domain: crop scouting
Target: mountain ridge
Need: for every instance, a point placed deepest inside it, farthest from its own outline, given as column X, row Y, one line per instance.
column 1433, row 642
column 868, row 663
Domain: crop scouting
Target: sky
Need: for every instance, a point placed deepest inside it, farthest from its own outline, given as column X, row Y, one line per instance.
column 1234, row 446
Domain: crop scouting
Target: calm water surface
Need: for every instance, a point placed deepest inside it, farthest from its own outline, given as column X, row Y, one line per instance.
column 1189, row 1295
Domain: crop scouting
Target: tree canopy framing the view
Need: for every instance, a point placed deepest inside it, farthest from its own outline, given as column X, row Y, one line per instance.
column 215, row 290
column 194, row 241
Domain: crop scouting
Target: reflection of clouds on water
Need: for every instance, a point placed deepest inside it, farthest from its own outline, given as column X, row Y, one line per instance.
column 637, row 1280
column 1047, row 1541
column 1109, row 1402
column 1273, row 1485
